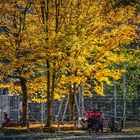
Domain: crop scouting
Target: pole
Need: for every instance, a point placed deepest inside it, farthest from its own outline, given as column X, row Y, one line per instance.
column 124, row 96
column 60, row 107
column 82, row 100
column 76, row 103
column 115, row 100
column 42, row 113
column 0, row 111
column 65, row 108
column 18, row 107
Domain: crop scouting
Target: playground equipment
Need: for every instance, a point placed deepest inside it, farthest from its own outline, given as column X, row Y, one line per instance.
column 93, row 121
column 79, row 106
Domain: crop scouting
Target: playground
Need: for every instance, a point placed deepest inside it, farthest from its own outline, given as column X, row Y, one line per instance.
column 61, row 124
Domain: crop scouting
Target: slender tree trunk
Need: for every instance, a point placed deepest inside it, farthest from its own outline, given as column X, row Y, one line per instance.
column 49, row 102
column 72, row 91
column 50, row 86
column 24, row 101
column 50, row 95
column 77, row 104
column 71, row 104
column 57, row 4
column 45, row 16
column 49, row 113
column 23, row 83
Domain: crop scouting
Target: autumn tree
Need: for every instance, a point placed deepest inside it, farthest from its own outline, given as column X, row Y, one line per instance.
column 95, row 35
column 17, row 46
column 86, row 36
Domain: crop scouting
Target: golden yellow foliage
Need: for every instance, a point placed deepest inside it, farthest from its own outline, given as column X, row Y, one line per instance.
column 80, row 40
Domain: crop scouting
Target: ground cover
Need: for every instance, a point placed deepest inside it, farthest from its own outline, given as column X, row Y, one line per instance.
column 65, row 128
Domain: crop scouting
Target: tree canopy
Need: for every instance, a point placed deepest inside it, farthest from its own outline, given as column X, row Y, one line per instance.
column 55, row 44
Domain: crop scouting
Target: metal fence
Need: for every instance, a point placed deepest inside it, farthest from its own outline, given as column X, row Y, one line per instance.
column 11, row 104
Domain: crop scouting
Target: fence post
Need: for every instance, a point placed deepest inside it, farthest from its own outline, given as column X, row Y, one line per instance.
column 1, row 111
column 115, row 100
column 124, row 96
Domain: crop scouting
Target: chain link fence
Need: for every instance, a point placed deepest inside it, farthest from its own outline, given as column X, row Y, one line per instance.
column 37, row 112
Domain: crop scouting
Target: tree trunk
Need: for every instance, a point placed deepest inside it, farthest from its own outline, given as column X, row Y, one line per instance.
column 49, row 113
column 24, row 101
column 50, row 94
column 71, row 104
column 77, row 104
column 23, row 83
column 49, row 102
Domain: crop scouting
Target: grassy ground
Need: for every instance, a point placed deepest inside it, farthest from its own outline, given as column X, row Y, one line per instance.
column 37, row 132
column 134, row 130
column 67, row 128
